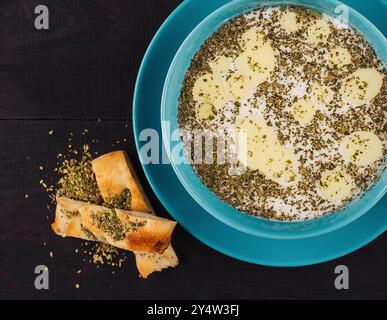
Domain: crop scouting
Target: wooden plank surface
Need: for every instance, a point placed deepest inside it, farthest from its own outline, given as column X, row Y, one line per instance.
column 84, row 66
column 83, row 70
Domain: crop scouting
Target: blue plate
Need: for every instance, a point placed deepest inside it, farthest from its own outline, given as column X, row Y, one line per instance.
column 184, row 171
column 146, row 115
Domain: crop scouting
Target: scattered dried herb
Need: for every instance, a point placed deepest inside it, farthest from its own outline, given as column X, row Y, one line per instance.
column 121, row 202
column 78, row 180
column 108, row 222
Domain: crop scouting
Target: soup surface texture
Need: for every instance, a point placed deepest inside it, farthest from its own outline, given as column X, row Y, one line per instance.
column 309, row 96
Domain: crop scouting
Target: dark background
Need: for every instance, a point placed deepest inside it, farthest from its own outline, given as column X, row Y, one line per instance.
column 80, row 75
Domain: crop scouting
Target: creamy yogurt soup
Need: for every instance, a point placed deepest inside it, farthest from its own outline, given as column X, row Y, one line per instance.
column 309, row 93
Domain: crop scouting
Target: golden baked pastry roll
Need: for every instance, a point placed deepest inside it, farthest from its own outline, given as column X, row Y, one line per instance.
column 115, row 174
column 68, row 221
column 108, row 185
column 148, row 263
column 128, row 230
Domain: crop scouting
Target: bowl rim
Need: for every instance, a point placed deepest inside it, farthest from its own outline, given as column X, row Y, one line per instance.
column 204, row 203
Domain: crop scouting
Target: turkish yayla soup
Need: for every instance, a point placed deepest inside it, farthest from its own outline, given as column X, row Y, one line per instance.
column 310, row 95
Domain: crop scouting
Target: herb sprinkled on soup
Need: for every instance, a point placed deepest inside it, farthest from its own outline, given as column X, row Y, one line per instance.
column 310, row 96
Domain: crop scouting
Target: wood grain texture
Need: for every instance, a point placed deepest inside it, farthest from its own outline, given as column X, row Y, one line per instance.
column 83, row 69
column 84, row 66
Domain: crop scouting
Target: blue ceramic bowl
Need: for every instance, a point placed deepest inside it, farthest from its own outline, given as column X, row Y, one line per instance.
column 202, row 195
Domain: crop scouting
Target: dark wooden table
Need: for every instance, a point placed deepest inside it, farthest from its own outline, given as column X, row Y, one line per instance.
column 80, row 75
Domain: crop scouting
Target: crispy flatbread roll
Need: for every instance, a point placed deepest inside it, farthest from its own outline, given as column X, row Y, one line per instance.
column 68, row 222
column 148, row 263
column 114, row 173
column 108, row 185
column 128, row 230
